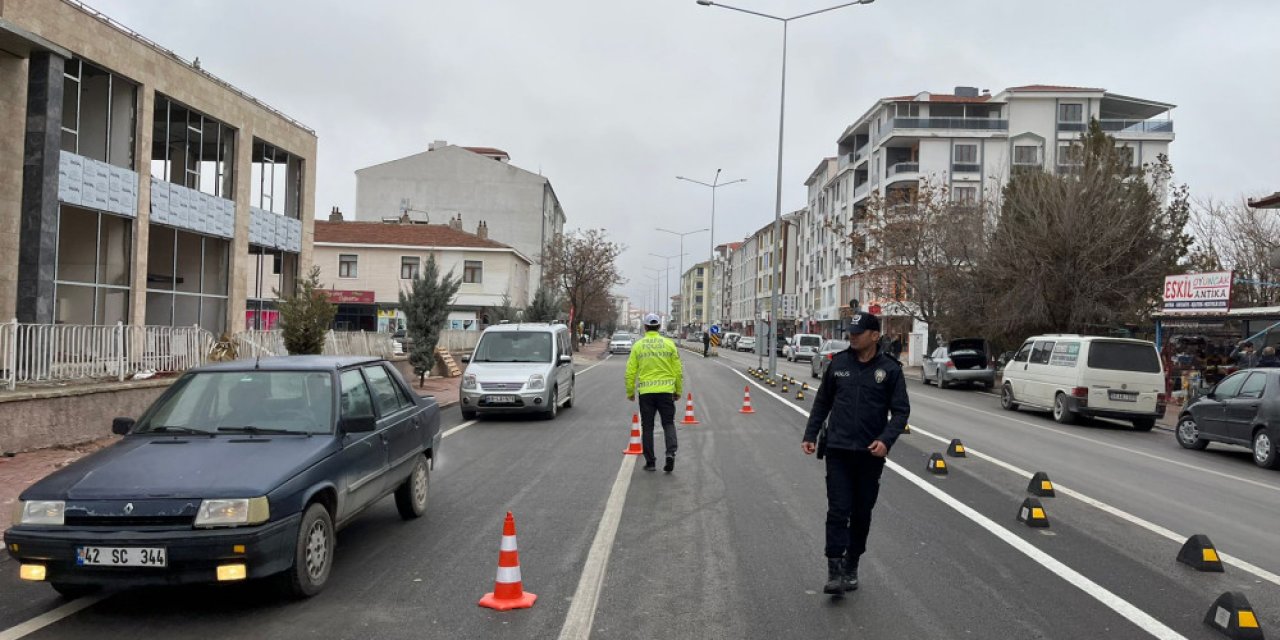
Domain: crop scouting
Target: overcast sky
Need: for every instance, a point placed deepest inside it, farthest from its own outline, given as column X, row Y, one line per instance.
column 611, row 99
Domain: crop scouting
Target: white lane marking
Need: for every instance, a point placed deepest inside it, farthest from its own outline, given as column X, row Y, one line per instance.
column 468, row 423
column 1137, row 616
column 49, row 617
column 1092, row 441
column 1119, row 513
column 582, row 610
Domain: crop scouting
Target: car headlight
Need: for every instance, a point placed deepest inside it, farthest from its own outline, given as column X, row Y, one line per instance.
column 41, row 512
column 469, row 381
column 536, row 381
column 232, row 512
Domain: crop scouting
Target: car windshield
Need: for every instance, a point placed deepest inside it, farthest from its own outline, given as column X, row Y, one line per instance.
column 246, row 401
column 514, row 346
column 810, row 341
column 621, row 336
column 1123, row 356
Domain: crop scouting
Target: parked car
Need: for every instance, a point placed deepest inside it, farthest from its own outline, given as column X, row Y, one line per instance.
column 730, row 340
column 803, row 346
column 828, row 350
column 1074, row 375
column 621, row 342
column 962, row 360
column 239, row 470
column 781, row 346
column 1242, row 410
column 746, row 343
column 519, row 368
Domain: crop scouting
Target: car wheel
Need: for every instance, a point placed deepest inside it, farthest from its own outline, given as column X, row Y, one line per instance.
column 469, row 414
column 1006, row 398
column 313, row 555
column 411, row 496
column 1061, row 414
column 1264, row 450
column 1143, row 424
column 73, row 591
column 553, row 410
column 1188, row 433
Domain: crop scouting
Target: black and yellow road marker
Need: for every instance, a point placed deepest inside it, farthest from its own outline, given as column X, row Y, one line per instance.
column 1032, row 513
column 1198, row 552
column 1233, row 616
column 1041, row 485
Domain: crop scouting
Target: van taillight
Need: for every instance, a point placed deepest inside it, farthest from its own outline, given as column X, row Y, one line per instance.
column 1080, row 392
column 950, row 364
column 831, row 355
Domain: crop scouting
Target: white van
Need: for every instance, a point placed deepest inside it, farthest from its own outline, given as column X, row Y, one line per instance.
column 803, row 345
column 519, row 368
column 1073, row 375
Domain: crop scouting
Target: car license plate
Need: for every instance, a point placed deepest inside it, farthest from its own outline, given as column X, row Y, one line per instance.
column 121, row 556
column 1122, row 396
column 502, row 399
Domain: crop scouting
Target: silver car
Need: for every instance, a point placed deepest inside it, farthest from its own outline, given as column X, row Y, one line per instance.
column 519, row 368
column 828, row 350
column 961, row 360
column 621, row 342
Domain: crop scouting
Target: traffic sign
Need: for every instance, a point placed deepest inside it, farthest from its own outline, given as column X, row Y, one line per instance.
column 715, row 329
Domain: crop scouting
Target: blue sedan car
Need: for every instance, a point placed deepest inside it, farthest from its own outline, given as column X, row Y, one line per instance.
column 239, row 470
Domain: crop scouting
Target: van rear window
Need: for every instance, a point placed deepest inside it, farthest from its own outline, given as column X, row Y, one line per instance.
column 1123, row 356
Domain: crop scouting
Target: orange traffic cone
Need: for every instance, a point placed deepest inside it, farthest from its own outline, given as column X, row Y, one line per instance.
column 746, row 401
column 508, row 591
column 688, row 412
column 634, row 448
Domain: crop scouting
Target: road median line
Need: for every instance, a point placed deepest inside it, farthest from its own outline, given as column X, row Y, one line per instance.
column 582, row 609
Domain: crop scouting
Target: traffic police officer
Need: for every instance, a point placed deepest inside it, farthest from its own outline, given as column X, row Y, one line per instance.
column 865, row 396
column 654, row 370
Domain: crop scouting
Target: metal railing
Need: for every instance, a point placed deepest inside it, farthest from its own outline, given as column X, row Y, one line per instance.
column 252, row 344
column 965, row 167
column 32, row 353
column 1136, row 126
column 861, row 190
column 978, row 124
column 904, row 167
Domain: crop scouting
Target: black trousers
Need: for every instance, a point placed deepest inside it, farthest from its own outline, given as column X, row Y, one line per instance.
column 853, row 483
column 663, row 404
column 706, row 348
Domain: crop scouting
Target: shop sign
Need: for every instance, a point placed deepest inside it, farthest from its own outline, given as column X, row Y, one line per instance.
column 1198, row 292
column 338, row 296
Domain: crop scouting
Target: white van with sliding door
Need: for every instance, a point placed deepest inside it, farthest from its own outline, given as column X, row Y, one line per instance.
column 1072, row 375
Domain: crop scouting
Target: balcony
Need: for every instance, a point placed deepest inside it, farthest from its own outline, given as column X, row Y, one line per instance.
column 962, row 124
column 1122, row 127
column 861, row 190
column 854, row 157
column 904, row 167
column 965, row 167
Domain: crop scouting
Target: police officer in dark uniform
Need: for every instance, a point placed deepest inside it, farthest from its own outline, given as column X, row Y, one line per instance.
column 865, row 396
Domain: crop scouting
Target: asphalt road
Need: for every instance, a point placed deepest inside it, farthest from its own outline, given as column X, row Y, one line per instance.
column 730, row 544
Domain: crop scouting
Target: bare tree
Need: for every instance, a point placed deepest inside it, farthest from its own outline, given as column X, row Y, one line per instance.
column 583, row 265
column 1238, row 238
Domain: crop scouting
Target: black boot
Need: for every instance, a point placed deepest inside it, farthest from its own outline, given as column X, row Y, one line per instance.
column 835, row 577
column 850, row 578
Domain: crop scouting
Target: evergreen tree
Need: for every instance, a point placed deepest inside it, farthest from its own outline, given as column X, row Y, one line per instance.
column 426, row 309
column 305, row 316
column 545, row 306
column 504, row 311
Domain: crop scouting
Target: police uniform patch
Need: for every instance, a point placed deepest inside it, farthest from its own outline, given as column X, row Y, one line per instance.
column 880, row 375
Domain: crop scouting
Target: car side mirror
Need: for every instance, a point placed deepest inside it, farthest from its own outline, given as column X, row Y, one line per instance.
column 466, row 357
column 358, row 424
column 565, row 359
column 122, row 426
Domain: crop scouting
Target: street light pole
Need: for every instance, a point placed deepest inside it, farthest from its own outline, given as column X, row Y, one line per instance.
column 667, row 303
column 683, row 303
column 714, row 185
column 776, row 267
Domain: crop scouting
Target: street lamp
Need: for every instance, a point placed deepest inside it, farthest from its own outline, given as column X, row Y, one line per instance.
column 668, row 259
column 777, row 211
column 683, row 303
column 713, row 185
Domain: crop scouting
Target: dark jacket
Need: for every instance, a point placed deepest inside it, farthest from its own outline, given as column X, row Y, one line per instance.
column 859, row 398
column 1268, row 361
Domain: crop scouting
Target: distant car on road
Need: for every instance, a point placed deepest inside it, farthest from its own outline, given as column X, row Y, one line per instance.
column 803, row 346
column 961, row 360
column 746, row 343
column 730, row 340
column 621, row 342
column 828, row 350
column 1242, row 410
column 240, row 470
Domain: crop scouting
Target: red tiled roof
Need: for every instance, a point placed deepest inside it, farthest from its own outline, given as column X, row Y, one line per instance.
column 487, row 151
column 1051, row 88
column 1267, row 202
column 425, row 235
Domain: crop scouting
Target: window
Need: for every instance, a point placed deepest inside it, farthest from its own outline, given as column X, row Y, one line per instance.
column 191, row 149
column 1254, row 386
column 275, row 180
column 1070, row 154
column 384, row 390
column 472, row 271
column 409, row 267
column 1026, row 154
column 1127, row 157
column 356, row 401
column 1041, row 352
column 1065, row 354
column 346, row 265
column 91, row 280
column 966, row 154
column 1227, row 388
column 1071, row 112
column 964, row 195
column 99, row 114
column 1123, row 356
column 187, row 276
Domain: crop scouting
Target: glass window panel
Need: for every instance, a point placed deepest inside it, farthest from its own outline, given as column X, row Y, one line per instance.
column 73, row 304
column 294, row 196
column 95, row 101
column 70, row 103
column 68, row 141
column 256, row 177
column 77, row 244
column 159, row 138
column 213, row 315
column 124, row 108
column 215, row 266
column 226, row 162
column 159, row 309
column 186, row 310
column 113, row 305
column 189, row 256
column 208, row 157
column 159, row 260
column 355, row 401
column 115, row 250
column 384, row 391
column 279, row 182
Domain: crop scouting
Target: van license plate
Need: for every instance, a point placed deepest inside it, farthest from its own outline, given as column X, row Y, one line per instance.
column 502, row 399
column 1122, row 396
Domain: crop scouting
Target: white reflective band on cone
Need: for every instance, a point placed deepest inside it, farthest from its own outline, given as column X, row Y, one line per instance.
column 508, row 575
column 508, row 543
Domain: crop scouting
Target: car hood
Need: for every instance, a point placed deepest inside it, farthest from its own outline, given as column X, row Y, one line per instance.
column 144, row 466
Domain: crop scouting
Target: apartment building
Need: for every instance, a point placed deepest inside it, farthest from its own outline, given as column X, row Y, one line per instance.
column 365, row 265
column 477, row 183
column 971, row 141
column 693, row 295
column 136, row 187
